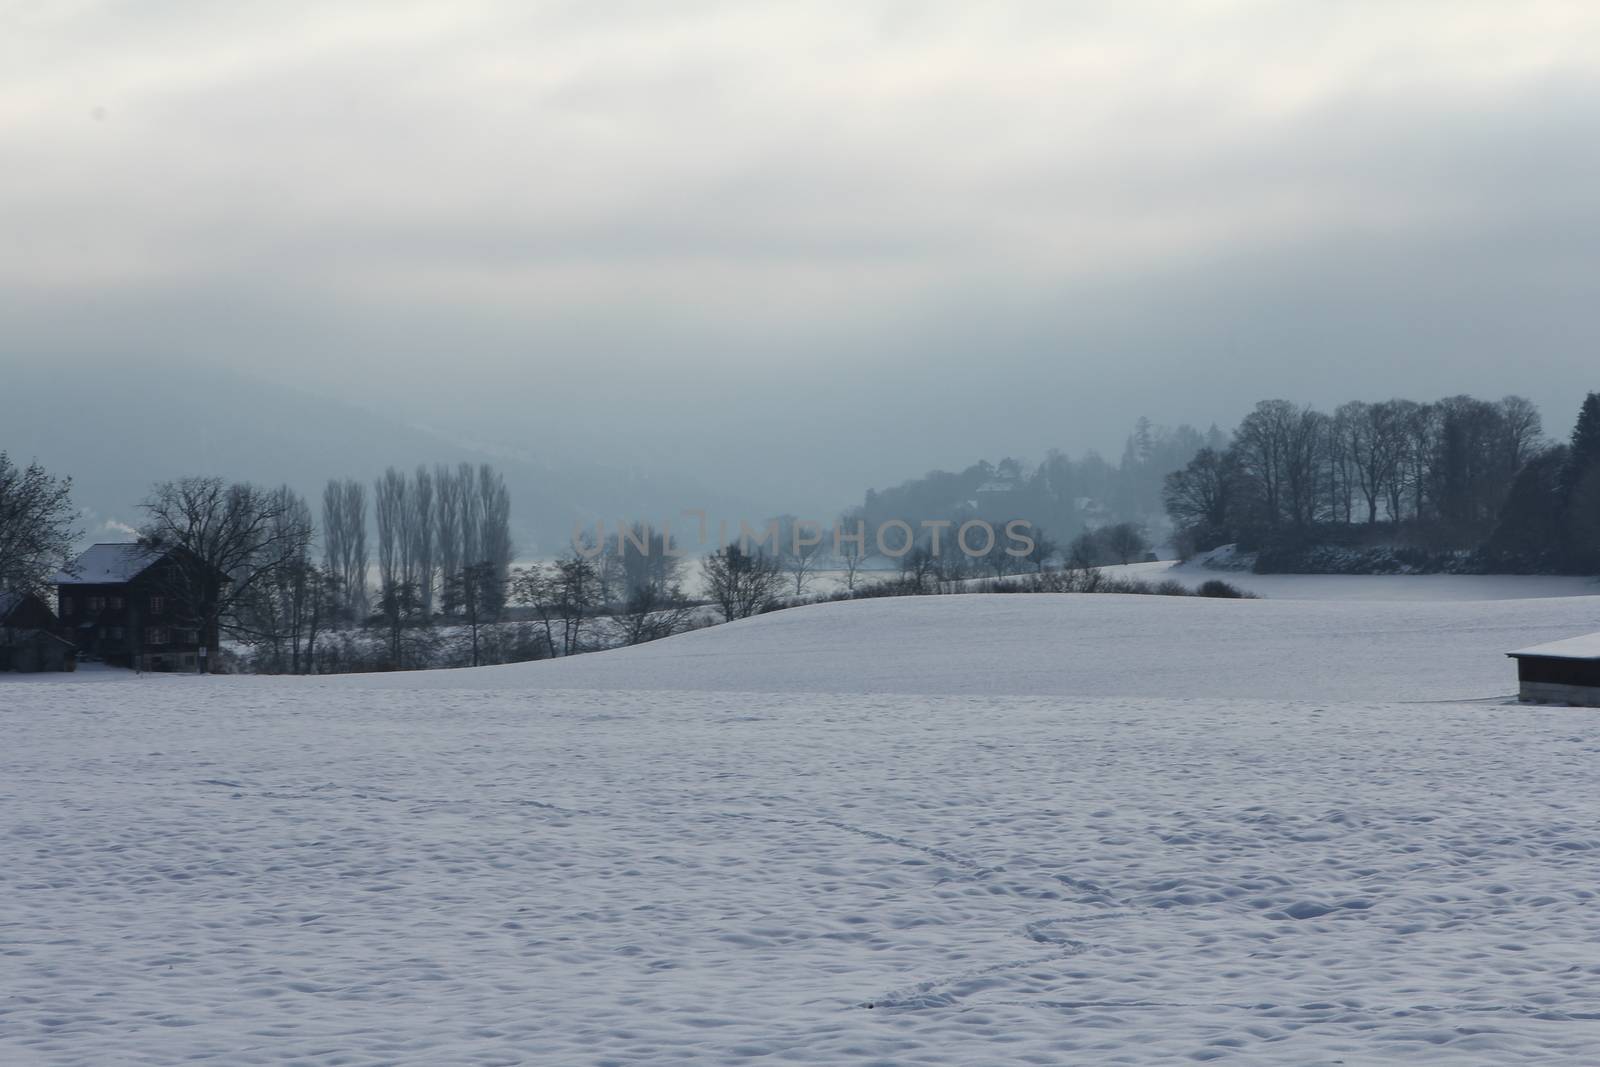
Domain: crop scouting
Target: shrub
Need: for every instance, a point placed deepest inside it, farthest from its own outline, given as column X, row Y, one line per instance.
column 1215, row 587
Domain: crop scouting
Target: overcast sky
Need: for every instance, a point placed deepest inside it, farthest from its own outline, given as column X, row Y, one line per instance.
column 807, row 247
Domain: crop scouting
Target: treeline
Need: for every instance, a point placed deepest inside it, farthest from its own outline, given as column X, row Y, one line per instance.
column 256, row 567
column 446, row 594
column 1062, row 496
column 1459, row 483
column 443, row 546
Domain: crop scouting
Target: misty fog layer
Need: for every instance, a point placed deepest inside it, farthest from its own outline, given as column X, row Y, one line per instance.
column 793, row 250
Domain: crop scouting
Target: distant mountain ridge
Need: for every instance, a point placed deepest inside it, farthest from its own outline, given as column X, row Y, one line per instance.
column 117, row 430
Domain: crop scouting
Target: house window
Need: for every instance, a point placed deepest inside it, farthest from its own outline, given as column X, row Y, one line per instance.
column 188, row 637
column 116, row 633
column 156, row 635
column 115, row 603
column 158, row 604
column 96, row 604
column 66, row 605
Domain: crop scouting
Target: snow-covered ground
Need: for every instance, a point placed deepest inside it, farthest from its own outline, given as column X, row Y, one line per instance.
column 1192, row 575
column 975, row 829
column 1371, row 586
column 1075, row 646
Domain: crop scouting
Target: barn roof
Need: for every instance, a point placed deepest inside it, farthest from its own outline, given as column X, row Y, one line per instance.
column 108, row 563
column 1585, row 647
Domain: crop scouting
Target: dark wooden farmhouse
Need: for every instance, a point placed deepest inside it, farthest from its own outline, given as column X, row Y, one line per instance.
column 117, row 602
column 1562, row 672
column 29, row 637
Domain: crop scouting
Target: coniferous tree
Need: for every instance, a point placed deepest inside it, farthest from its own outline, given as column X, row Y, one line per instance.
column 1580, row 490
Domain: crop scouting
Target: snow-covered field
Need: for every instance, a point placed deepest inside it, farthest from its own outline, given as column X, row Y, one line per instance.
column 955, row 830
column 1371, row 586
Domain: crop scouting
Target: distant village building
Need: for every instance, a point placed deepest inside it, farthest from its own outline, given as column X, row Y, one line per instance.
column 996, row 495
column 1562, row 672
column 118, row 603
column 29, row 640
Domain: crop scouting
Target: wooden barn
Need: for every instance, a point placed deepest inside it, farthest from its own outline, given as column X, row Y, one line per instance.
column 28, row 637
column 118, row 602
column 1562, row 672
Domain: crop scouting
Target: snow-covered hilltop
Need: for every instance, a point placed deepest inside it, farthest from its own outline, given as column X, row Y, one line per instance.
column 970, row 829
column 1075, row 646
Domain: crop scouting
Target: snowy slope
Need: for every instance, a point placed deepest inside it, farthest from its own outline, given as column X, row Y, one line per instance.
column 1409, row 587
column 556, row 863
column 1413, row 587
column 1077, row 645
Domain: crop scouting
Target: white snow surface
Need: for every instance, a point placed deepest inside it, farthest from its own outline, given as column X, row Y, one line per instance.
column 1075, row 645
column 1409, row 587
column 1585, row 647
column 881, row 832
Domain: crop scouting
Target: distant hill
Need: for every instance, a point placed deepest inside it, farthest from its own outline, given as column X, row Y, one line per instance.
column 116, row 431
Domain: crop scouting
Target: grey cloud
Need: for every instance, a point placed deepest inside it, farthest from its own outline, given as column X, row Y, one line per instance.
column 802, row 248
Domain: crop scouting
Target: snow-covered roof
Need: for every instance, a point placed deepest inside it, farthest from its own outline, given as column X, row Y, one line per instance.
column 1585, row 647
column 108, row 563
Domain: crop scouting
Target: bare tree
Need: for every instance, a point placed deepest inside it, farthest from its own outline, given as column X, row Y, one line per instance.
column 1125, row 542
column 741, row 583
column 471, row 515
column 851, row 549
column 647, row 561
column 296, row 576
column 607, row 571
column 851, row 557
column 389, row 497
column 223, row 542
column 1478, row 451
column 1423, row 424
column 1000, row 558
column 420, row 534
column 1043, row 549
column 1084, row 553
column 1340, row 435
column 1278, row 445
column 493, row 537
column 1522, row 430
column 447, row 532
column 651, row 613
column 564, row 595
column 1261, row 443
column 1200, row 498
column 344, row 544
column 919, row 568
column 530, row 587
column 398, row 611
column 334, row 545
column 1376, row 442
column 272, row 613
column 321, row 604
column 800, row 550
column 479, row 586
column 1307, row 445
column 37, row 526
